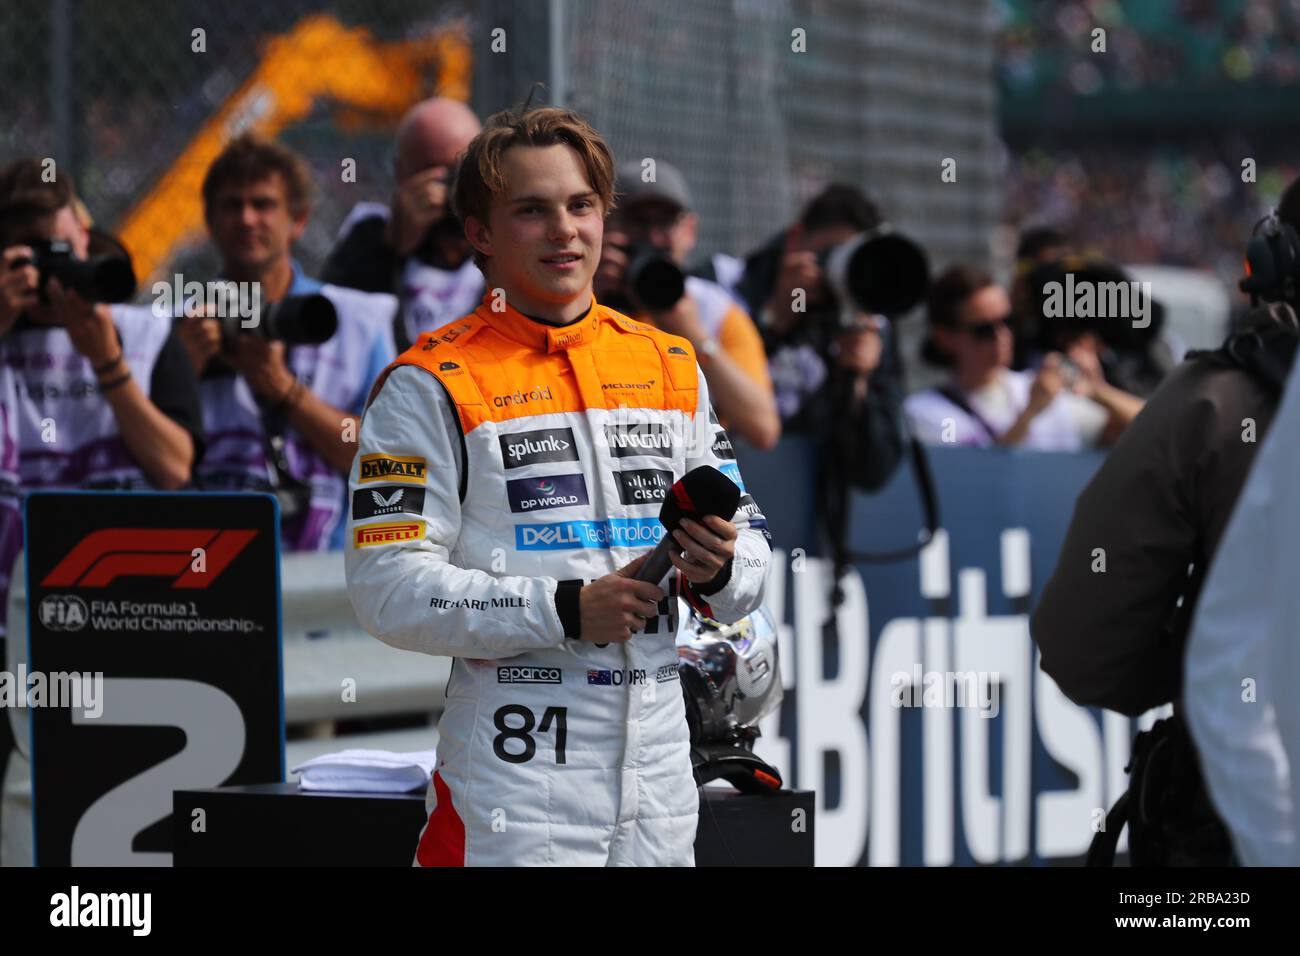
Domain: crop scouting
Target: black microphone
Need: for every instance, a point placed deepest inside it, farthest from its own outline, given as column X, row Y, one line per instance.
column 700, row 492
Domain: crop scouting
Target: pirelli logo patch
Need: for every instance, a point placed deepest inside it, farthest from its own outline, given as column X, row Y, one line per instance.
column 376, row 534
column 389, row 468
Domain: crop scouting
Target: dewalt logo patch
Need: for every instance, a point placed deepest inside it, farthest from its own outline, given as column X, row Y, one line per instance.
column 389, row 468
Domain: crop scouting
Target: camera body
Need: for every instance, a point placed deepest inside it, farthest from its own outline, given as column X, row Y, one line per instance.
column 294, row 320
column 97, row 279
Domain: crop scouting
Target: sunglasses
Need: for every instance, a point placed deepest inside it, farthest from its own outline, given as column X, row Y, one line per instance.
column 987, row 331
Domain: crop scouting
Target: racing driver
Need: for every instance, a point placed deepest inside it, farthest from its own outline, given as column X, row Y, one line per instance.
column 507, row 486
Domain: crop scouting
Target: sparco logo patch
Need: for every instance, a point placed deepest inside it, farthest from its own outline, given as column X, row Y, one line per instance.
column 666, row 673
column 546, row 491
column 375, row 534
column 385, row 468
column 645, row 486
column 529, row 675
column 645, row 438
column 537, row 447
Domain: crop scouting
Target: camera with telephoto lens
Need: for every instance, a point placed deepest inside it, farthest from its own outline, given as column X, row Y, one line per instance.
column 651, row 280
column 294, row 320
column 107, row 278
column 879, row 272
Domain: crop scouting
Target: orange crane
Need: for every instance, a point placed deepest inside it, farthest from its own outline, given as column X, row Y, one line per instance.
column 318, row 59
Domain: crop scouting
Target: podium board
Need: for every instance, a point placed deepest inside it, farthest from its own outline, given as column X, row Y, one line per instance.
column 154, row 633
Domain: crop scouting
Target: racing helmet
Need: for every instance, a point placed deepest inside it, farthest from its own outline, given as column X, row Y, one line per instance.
column 730, row 674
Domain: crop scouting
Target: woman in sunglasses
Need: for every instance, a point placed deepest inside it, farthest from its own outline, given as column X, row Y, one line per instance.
column 1060, row 407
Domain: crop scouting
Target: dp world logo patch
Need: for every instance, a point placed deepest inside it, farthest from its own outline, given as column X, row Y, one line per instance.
column 546, row 491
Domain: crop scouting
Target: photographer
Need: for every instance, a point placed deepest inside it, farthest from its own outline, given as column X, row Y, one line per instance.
column 110, row 379
column 812, row 355
column 1061, row 407
column 281, row 416
column 657, row 216
column 1134, row 358
column 1155, row 512
column 415, row 248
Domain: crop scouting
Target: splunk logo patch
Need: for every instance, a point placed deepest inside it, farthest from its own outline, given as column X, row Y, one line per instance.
column 538, row 447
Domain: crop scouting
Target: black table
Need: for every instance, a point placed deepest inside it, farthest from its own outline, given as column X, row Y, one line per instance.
column 276, row 824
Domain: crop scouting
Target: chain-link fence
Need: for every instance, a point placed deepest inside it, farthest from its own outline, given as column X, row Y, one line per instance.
column 135, row 100
column 762, row 102
column 759, row 102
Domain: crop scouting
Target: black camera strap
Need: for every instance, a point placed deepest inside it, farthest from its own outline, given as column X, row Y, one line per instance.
column 836, row 510
column 953, row 395
column 292, row 493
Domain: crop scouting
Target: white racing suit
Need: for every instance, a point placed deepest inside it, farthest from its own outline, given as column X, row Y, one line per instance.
column 503, row 462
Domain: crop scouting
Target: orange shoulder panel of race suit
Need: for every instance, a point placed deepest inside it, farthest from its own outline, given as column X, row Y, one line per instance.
column 501, row 365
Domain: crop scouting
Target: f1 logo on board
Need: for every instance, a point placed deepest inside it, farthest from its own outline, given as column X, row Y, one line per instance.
column 103, row 556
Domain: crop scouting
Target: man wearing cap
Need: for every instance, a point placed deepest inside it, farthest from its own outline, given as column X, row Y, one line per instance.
column 655, row 211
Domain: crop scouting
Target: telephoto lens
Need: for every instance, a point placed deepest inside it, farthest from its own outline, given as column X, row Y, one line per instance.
column 654, row 279
column 882, row 272
column 294, row 320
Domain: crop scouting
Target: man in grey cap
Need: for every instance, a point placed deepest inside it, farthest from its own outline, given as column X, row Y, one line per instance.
column 655, row 211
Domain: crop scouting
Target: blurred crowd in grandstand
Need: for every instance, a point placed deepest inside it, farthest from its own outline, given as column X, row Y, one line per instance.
column 1185, row 206
column 1046, row 44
